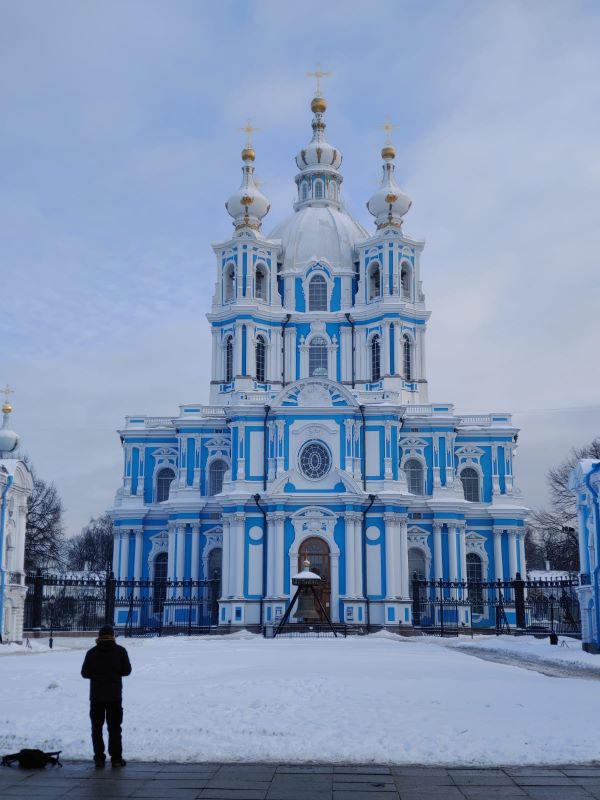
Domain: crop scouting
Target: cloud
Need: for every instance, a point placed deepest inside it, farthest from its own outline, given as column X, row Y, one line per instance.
column 121, row 141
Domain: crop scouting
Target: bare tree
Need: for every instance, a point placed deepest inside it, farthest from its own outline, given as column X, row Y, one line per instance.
column 44, row 532
column 556, row 526
column 92, row 548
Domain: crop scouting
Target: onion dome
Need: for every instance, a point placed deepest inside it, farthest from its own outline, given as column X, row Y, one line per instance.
column 318, row 162
column 9, row 440
column 248, row 205
column 389, row 204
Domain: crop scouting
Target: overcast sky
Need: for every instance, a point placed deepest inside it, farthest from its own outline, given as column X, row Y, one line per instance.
column 120, row 142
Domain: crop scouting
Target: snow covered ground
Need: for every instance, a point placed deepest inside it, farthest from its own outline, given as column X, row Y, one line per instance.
column 380, row 699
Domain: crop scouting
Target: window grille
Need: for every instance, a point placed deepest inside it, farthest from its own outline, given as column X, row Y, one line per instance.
column 216, row 472
column 317, row 294
column 229, row 360
column 470, row 482
column 319, row 190
column 315, row 461
column 163, row 484
column 317, row 357
column 159, row 576
column 375, row 359
column 229, row 289
column 407, row 358
column 374, row 283
column 413, row 470
column 260, row 284
column 475, row 575
column 405, row 280
column 260, row 359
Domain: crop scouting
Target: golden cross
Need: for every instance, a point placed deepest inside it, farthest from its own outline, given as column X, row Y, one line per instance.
column 318, row 74
column 7, row 391
column 249, row 130
column 388, row 128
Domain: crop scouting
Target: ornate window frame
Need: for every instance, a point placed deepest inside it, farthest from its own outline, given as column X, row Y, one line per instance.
column 316, row 268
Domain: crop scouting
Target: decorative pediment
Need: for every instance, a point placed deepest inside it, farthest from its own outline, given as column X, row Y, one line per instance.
column 314, row 521
column 160, row 544
column 475, row 543
column 219, row 445
column 417, row 536
column 469, row 452
column 165, row 453
column 413, row 442
column 315, row 393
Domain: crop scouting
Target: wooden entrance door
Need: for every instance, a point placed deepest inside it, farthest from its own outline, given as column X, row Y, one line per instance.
column 317, row 552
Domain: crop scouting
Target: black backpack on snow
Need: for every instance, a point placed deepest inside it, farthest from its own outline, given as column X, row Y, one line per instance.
column 32, row 759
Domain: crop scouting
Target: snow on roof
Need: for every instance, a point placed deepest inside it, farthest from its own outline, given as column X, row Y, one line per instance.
column 307, row 574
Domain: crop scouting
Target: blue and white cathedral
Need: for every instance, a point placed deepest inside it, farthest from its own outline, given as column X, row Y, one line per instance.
column 319, row 440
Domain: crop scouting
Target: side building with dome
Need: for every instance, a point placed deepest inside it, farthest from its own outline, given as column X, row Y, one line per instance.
column 16, row 485
column 319, row 441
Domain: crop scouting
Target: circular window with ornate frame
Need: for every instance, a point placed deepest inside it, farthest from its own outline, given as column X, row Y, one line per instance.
column 314, row 460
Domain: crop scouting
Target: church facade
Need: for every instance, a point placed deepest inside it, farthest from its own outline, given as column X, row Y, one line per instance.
column 16, row 485
column 319, row 440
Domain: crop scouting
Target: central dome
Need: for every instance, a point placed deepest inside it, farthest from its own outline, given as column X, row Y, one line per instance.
column 319, row 232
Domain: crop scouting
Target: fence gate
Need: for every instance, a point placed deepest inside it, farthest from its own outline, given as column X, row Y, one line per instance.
column 135, row 608
column 448, row 608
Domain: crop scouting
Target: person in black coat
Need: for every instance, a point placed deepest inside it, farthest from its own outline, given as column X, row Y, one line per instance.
column 105, row 665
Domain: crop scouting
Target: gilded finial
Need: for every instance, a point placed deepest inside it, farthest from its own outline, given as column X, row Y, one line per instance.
column 318, row 104
column 7, row 391
column 388, row 150
column 248, row 153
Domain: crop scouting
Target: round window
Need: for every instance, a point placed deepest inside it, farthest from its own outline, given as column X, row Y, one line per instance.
column 315, row 460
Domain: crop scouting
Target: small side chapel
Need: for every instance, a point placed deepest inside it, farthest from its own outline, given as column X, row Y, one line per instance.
column 16, row 485
column 319, row 440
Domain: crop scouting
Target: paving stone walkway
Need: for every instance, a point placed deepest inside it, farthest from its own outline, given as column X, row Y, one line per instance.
column 299, row 782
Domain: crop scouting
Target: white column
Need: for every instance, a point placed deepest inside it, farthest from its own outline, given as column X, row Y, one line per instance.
column 498, row 568
column 139, row 546
column 512, row 553
column 404, row 588
column 240, row 547
column 438, row 565
column 392, row 556
column 358, row 555
column 271, row 546
column 522, row 553
column 385, row 348
column 279, row 555
column 195, row 565
column 180, row 574
column 124, row 570
column 452, row 555
column 463, row 552
column 171, row 553
column 225, row 569
column 350, row 555
column 237, row 350
column 115, row 557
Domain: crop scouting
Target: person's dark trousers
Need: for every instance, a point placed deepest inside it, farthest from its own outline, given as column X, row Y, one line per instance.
column 113, row 714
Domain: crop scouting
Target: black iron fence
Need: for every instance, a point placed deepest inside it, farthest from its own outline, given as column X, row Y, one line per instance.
column 136, row 608
column 305, row 630
column 447, row 608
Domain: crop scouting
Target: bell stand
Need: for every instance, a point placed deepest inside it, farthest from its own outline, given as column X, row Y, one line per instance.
column 304, row 583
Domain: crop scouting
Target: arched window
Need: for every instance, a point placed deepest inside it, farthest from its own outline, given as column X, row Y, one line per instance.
column 304, row 191
column 405, row 273
column 229, row 359
column 317, row 294
column 470, row 481
column 416, row 567
column 413, row 470
column 374, row 282
column 261, row 350
column 375, row 359
column 159, row 576
column 163, row 484
column 318, row 190
column 474, row 578
column 260, row 284
column 407, row 358
column 317, row 356
column 216, row 472
column 229, row 283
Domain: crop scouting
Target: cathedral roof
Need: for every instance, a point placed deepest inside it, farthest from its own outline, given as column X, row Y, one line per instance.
column 318, row 232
